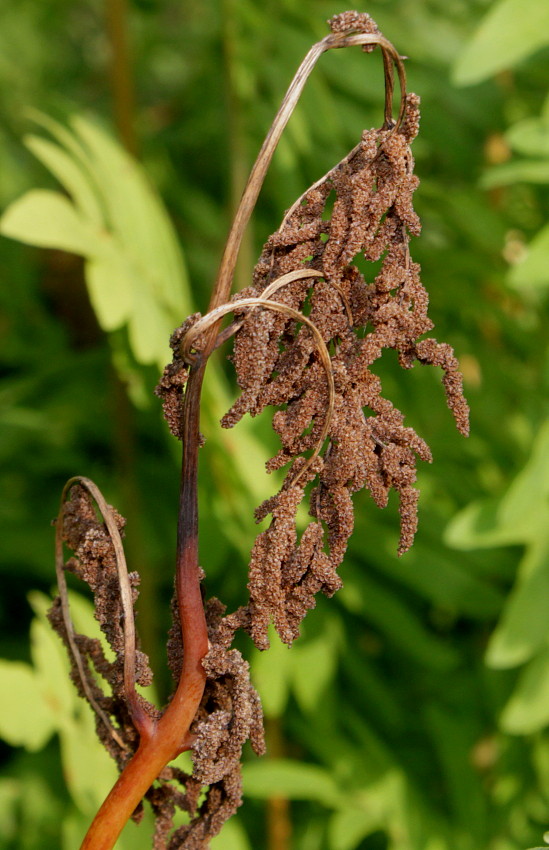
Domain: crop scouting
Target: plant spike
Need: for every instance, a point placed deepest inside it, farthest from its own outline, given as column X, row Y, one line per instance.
column 338, row 435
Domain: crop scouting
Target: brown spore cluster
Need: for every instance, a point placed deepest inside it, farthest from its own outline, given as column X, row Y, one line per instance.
column 364, row 207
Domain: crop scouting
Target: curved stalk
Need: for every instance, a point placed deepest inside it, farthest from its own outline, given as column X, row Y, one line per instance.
column 224, row 279
column 141, row 720
column 213, row 318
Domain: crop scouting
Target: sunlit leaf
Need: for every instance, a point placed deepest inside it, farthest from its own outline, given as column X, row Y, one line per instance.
column 135, row 270
column 80, row 746
column 150, row 327
column 51, row 665
column 137, row 217
column 70, row 174
column 110, row 288
column 49, row 220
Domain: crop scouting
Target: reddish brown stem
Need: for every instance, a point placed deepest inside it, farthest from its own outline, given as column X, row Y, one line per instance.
column 171, row 733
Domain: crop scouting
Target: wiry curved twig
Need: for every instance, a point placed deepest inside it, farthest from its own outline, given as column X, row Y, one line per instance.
column 290, row 277
column 211, row 318
column 224, row 279
column 273, row 287
column 141, row 720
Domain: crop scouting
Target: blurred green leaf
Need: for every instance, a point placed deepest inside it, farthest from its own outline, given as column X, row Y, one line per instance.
column 29, row 813
column 530, row 136
column 233, row 837
column 527, row 711
column 349, row 826
column 519, row 516
column 397, row 622
column 523, row 626
column 481, row 524
column 519, row 171
column 25, row 719
column 511, row 31
column 366, row 812
column 314, row 663
column 292, row 779
column 453, row 734
column 271, row 672
column 533, row 270
column 9, row 792
column 444, row 580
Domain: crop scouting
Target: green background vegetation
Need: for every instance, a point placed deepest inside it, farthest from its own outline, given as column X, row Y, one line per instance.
column 413, row 712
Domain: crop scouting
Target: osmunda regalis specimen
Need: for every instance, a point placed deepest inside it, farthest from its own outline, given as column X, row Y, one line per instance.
column 306, row 333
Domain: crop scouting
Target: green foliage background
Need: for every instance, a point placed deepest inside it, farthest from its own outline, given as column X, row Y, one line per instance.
column 413, row 713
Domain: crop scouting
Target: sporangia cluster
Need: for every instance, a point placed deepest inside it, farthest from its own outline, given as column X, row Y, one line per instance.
column 338, row 434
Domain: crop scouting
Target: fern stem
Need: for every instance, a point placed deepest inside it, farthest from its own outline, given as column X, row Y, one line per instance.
column 167, row 739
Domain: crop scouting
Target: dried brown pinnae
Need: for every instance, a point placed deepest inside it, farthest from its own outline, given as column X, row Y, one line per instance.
column 363, row 206
column 307, row 333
